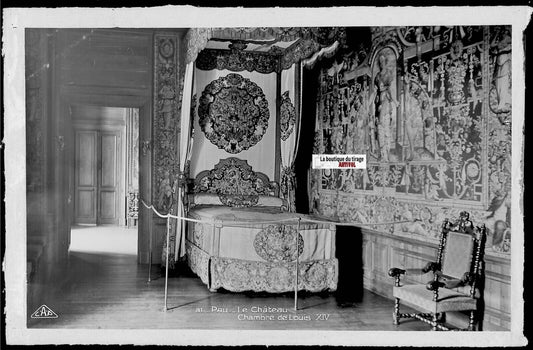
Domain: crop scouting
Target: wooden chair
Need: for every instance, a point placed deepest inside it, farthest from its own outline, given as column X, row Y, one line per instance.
column 457, row 274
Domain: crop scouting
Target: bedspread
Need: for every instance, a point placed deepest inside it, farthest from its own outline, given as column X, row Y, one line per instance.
column 233, row 250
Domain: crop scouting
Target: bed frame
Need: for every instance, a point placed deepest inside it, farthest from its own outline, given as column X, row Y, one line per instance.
column 237, row 185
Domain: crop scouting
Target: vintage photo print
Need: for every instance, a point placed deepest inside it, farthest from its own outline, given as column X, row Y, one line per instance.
column 315, row 176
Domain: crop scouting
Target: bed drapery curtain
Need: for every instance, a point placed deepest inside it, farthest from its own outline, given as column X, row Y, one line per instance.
column 317, row 56
column 290, row 131
column 185, row 146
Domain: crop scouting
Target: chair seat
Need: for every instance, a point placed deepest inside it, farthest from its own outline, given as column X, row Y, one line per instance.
column 449, row 300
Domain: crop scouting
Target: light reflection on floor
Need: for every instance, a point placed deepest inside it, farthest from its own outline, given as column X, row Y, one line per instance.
column 104, row 239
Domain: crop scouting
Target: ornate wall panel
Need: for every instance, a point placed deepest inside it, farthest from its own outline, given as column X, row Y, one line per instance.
column 132, row 165
column 449, row 115
column 132, row 146
column 168, row 78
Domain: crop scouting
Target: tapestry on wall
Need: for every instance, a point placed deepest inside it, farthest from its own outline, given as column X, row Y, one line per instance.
column 166, row 119
column 168, row 82
column 233, row 113
column 435, row 125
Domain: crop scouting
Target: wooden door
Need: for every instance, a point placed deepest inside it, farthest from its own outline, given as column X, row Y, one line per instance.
column 108, row 178
column 98, row 177
column 86, row 187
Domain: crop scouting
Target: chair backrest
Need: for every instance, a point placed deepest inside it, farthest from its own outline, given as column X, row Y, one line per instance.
column 461, row 249
column 457, row 255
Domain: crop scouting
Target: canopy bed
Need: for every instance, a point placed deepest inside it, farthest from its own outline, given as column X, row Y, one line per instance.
column 246, row 238
column 239, row 131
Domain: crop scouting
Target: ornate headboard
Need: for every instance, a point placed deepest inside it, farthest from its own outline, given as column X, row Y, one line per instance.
column 235, row 183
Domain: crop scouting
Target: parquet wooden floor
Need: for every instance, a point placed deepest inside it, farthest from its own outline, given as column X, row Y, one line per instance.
column 110, row 290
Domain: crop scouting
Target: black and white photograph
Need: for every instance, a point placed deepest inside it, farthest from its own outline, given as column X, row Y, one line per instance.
column 161, row 183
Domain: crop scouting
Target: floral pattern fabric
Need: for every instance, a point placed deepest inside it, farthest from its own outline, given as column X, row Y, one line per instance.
column 287, row 116
column 263, row 257
column 276, row 243
column 236, row 184
column 240, row 275
column 233, row 113
column 198, row 261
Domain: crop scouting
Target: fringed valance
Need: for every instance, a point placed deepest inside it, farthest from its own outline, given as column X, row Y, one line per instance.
column 195, row 41
column 312, row 40
column 325, row 52
column 322, row 35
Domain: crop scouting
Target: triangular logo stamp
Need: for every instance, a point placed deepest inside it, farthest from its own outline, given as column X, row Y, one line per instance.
column 43, row 311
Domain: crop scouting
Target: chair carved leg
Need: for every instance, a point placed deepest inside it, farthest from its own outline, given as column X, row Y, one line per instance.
column 396, row 313
column 472, row 320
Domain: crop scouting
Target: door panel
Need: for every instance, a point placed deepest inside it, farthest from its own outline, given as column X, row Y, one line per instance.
column 109, row 160
column 108, row 177
column 86, row 164
column 86, row 204
column 98, row 177
column 87, row 158
column 108, row 206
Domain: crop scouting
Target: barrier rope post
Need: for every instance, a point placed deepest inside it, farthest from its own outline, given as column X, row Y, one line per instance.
column 150, row 256
column 149, row 207
column 168, row 216
column 166, row 265
column 297, row 267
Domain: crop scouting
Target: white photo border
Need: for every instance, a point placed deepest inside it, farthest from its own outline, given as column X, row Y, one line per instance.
column 15, row 22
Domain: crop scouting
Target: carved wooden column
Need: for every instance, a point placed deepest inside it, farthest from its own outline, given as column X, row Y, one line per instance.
column 132, row 166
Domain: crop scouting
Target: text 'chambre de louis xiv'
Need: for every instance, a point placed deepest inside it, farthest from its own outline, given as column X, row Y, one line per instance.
column 266, row 313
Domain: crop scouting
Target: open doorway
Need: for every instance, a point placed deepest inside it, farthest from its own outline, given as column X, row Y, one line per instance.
column 105, row 184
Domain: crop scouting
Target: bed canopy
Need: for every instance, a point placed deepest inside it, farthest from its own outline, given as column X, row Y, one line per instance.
column 268, row 64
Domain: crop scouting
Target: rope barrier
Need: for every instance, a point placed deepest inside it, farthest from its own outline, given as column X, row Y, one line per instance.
column 295, row 219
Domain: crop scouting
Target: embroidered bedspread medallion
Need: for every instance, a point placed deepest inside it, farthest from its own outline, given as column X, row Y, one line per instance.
column 233, row 113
